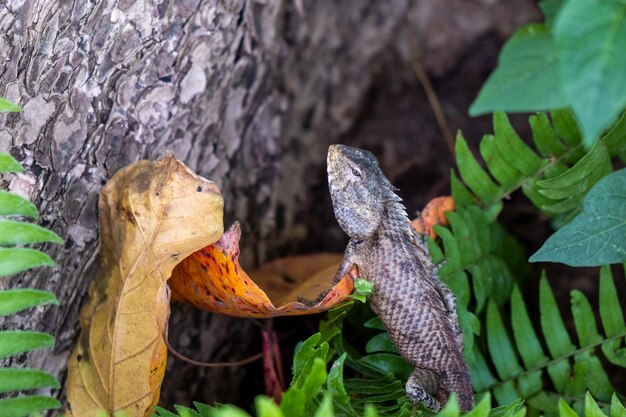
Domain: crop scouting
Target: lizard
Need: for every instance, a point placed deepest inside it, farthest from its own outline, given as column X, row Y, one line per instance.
column 418, row 310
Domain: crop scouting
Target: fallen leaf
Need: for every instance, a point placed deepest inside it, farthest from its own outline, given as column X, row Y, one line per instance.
column 433, row 214
column 152, row 215
column 212, row 279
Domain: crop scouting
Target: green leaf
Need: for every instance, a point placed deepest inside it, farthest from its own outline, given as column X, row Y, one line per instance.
column 388, row 363
column 13, row 342
column 481, row 409
column 326, row 407
column 362, row 289
column 266, row 407
column 7, row 106
column 228, row 411
column 14, row 260
column 12, row 301
column 18, row 233
column 336, row 385
column 380, row 343
column 527, row 76
column 597, row 236
column 590, row 36
column 15, row 205
column 472, row 174
column 610, row 308
column 21, row 379
column 525, row 336
column 617, row 408
column 24, row 406
column 500, row 346
column 565, row 410
column 550, row 9
column 9, row 164
column 591, row 407
column 451, row 409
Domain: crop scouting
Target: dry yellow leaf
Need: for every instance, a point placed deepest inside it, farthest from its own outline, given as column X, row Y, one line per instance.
column 152, row 215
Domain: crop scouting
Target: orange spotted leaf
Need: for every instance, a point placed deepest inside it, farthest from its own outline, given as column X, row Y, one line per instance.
column 433, row 214
column 212, row 279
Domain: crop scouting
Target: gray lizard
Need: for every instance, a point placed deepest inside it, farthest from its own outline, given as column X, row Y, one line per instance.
column 418, row 310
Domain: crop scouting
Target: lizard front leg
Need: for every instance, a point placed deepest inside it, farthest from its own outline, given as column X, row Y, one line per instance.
column 349, row 258
column 344, row 268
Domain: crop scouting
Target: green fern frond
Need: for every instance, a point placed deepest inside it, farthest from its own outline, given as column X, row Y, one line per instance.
column 15, row 258
column 525, row 370
column 555, row 176
column 477, row 247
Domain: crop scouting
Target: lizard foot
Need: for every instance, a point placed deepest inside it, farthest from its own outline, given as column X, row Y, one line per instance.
column 418, row 395
column 420, row 383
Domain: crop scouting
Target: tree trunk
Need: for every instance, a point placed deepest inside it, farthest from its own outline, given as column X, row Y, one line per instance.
column 247, row 93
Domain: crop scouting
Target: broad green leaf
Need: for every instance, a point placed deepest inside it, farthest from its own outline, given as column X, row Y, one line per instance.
column 13, row 342
column 12, row 301
column 380, row 343
column 14, row 260
column 527, row 76
column 15, row 205
column 550, row 9
column 19, row 233
column 597, row 236
column 590, row 36
column 24, row 406
column 21, row 379
column 9, row 164
column 374, row 323
column 388, row 363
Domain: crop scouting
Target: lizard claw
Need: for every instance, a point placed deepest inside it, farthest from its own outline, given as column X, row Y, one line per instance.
column 419, row 386
column 419, row 395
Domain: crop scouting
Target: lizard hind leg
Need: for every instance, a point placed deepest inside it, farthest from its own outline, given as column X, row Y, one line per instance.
column 422, row 386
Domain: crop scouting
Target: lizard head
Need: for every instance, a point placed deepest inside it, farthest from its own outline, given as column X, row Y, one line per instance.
column 359, row 190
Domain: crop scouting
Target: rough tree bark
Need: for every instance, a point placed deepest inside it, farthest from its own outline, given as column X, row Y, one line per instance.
column 248, row 93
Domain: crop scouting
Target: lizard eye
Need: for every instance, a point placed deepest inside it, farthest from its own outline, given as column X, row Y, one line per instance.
column 356, row 173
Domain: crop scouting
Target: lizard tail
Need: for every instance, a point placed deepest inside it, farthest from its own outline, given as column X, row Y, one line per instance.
column 460, row 383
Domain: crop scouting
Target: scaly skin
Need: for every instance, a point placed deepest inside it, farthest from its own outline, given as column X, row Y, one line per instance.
column 418, row 310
